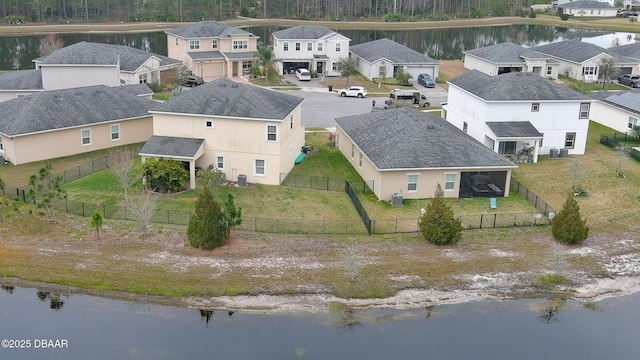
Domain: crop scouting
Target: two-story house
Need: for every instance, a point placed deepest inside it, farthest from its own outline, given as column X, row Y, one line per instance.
column 248, row 132
column 211, row 49
column 519, row 111
column 315, row 48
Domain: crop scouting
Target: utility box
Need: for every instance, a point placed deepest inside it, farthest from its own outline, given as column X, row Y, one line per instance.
column 553, row 153
column 563, row 153
column 396, row 199
column 242, row 180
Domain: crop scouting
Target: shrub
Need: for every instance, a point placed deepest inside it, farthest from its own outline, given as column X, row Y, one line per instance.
column 532, row 14
column 564, row 17
column 164, row 175
column 208, row 226
column 568, row 226
column 438, row 223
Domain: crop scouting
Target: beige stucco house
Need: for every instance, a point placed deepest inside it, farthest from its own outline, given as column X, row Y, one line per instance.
column 57, row 123
column 211, row 49
column 250, row 133
column 408, row 152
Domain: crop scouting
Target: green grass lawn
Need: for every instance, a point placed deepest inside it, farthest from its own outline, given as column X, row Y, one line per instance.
column 591, row 87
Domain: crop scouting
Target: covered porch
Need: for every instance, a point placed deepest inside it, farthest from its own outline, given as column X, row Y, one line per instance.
column 186, row 150
column 519, row 141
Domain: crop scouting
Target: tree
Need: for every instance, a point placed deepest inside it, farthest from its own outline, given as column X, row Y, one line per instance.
column 49, row 44
column 608, row 69
column 232, row 215
column 43, row 190
column 142, row 208
column 568, row 226
column 210, row 177
column 121, row 164
column 347, row 66
column 623, row 155
column 96, row 223
column 266, row 58
column 162, row 175
column 438, row 224
column 353, row 262
column 403, row 77
column 208, row 226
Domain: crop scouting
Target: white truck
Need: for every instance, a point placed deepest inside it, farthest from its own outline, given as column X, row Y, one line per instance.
column 412, row 98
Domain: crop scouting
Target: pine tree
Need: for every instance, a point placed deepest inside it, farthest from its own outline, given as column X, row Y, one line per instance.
column 568, row 226
column 438, row 224
column 232, row 214
column 208, row 226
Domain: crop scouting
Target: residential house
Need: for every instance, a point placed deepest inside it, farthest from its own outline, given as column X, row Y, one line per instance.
column 250, row 133
column 619, row 110
column 383, row 57
column 508, row 57
column 57, row 123
column 631, row 4
column 581, row 61
column 211, row 49
column 631, row 51
column 87, row 64
column 15, row 84
column 519, row 113
column 315, row 48
column 408, row 152
column 586, row 8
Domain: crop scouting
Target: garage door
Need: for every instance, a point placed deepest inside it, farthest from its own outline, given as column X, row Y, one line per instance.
column 625, row 70
column 415, row 71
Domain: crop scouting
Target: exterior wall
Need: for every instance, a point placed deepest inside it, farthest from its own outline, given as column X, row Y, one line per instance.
column 611, row 116
column 65, row 77
column 328, row 49
column 574, row 70
column 240, row 142
column 591, row 12
column 554, row 119
column 14, row 94
column 475, row 63
column 541, row 65
column 66, row 142
column 365, row 68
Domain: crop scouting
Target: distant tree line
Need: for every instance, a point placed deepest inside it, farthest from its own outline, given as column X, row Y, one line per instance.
column 63, row 11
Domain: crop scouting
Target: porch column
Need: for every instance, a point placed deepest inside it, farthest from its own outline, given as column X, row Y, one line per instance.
column 192, row 174
column 535, row 151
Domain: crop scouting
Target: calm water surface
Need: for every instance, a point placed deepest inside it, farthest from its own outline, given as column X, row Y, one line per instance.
column 98, row 328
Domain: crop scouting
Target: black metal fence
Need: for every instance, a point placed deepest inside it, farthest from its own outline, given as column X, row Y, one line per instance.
column 532, row 198
column 366, row 220
column 322, row 183
column 618, row 139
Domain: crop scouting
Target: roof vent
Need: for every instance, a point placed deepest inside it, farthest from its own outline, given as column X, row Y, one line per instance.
column 57, row 95
column 234, row 85
column 78, row 93
column 98, row 91
column 223, row 85
column 430, row 127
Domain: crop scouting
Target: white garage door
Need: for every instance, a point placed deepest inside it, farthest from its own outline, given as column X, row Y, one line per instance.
column 415, row 71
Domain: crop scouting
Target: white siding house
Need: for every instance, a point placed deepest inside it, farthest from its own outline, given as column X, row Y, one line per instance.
column 619, row 110
column 509, row 57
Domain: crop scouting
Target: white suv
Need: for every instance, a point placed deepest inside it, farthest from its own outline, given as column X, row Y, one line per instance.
column 303, row 75
column 358, row 91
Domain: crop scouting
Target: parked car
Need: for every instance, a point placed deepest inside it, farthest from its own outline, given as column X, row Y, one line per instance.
column 192, row 81
column 357, row 91
column 629, row 80
column 426, row 80
column 303, row 74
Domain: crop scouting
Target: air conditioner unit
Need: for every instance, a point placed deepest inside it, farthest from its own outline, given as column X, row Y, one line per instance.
column 242, row 180
column 396, row 199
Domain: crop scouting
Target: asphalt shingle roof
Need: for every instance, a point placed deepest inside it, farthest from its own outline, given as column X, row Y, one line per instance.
column 506, row 52
column 303, row 32
column 170, row 146
column 586, row 5
column 513, row 129
column 388, row 49
column 627, row 100
column 514, row 86
column 87, row 53
column 224, row 97
column 572, row 50
column 205, row 55
column 59, row 109
column 21, row 80
column 629, row 50
column 207, row 29
column 408, row 139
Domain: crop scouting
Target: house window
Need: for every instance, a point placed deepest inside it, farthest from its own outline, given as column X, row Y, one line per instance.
column 336, row 66
column 220, row 162
column 319, row 47
column 194, row 44
column 535, row 107
column 353, row 151
column 208, row 123
column 570, row 140
column 259, row 167
column 633, row 122
column 412, row 182
column 584, row 111
column 465, row 126
column 272, row 133
column 309, row 46
column 449, row 181
column 176, row 41
column 246, row 66
column 589, row 70
column 291, row 122
column 540, row 141
column 360, row 161
column 85, row 136
column 382, row 71
column 1, row 146
column 143, row 78
column 115, row 132
column 489, row 142
column 297, row 46
column 240, row 44
column 549, row 70
column 214, row 43
column 285, row 46
column 338, row 46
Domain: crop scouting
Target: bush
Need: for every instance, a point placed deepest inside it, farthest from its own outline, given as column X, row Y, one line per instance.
column 397, row 17
column 438, row 223
column 164, row 175
column 208, row 226
column 564, row 17
column 568, row 226
column 532, row 14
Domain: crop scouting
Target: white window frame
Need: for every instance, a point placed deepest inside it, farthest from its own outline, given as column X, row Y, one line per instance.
column 176, row 41
column 143, row 78
column 309, row 46
column 220, row 160
column 570, row 138
column 412, row 183
column 360, row 161
column 214, row 43
column 194, row 44
column 584, row 114
column 338, row 47
column 320, row 47
column 549, row 70
column 291, row 122
column 285, row 46
column 353, row 151
column 298, row 46
column 590, row 70
column 449, row 184
column 382, row 71
column 83, row 137
column 632, row 122
column 540, row 141
column 240, row 44
column 273, row 133
column 465, row 126
column 208, row 123
column 535, row 107
column 117, row 132
column 1, row 144
column 256, row 167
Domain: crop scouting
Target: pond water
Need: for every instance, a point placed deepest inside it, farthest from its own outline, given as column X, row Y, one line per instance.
column 86, row 327
column 441, row 44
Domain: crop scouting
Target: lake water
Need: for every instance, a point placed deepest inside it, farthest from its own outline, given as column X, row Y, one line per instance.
column 441, row 44
column 98, row 328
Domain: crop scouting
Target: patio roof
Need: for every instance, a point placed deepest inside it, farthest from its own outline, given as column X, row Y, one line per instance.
column 514, row 129
column 172, row 147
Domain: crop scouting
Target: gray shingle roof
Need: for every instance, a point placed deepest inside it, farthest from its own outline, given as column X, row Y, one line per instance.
column 247, row 55
column 388, row 49
column 513, row 129
column 205, row 55
column 303, row 32
column 586, row 5
column 224, row 97
column 506, row 52
column 572, row 50
column 514, row 86
column 136, row 89
column 408, row 139
column 59, row 109
column 21, row 80
column 627, row 100
column 629, row 50
column 86, row 53
column 170, row 146
column 207, row 29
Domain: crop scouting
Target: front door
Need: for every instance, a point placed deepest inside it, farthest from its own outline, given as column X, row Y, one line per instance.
column 319, row 67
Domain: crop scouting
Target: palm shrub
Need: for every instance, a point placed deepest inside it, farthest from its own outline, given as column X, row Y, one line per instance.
column 208, row 226
column 568, row 226
column 438, row 224
column 164, row 175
